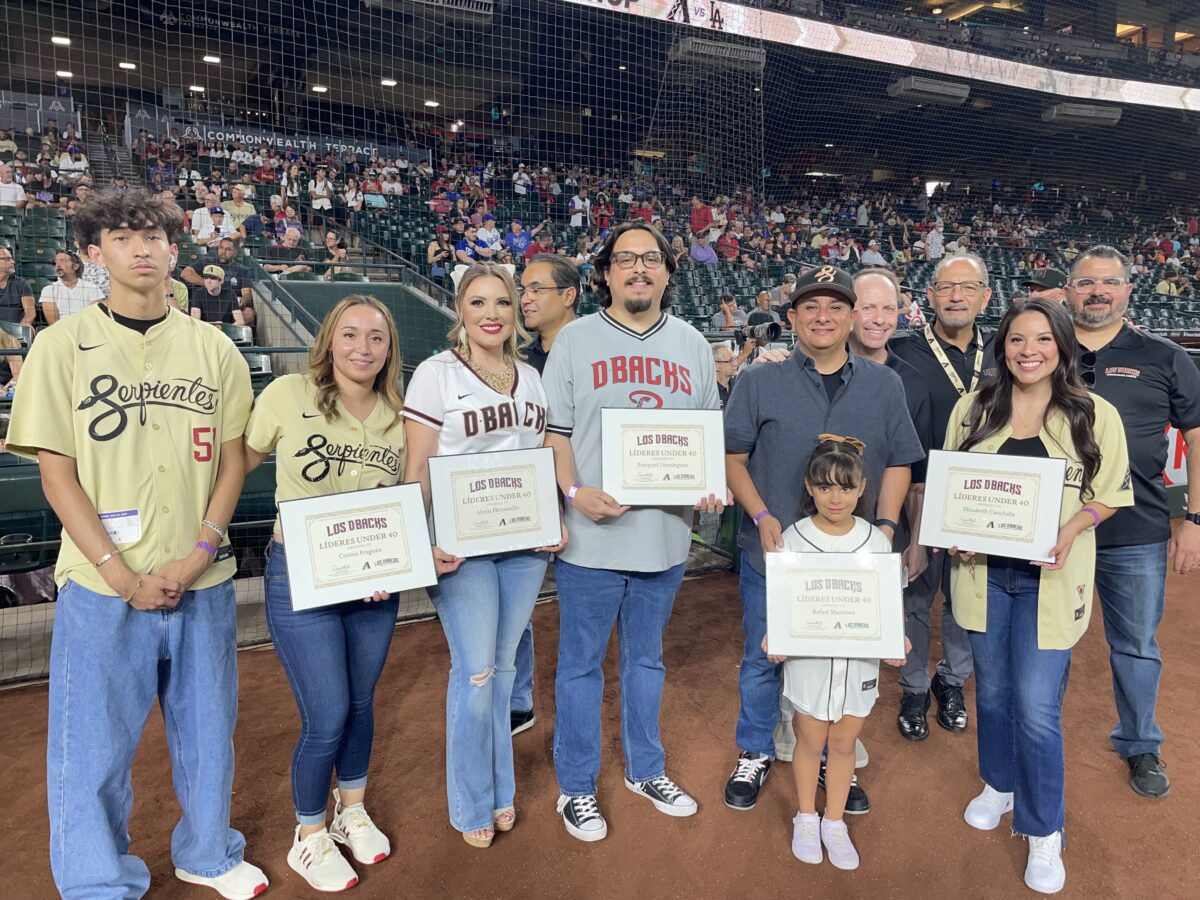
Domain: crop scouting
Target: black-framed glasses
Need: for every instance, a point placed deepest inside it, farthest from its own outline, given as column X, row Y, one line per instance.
column 627, row 259
column 1087, row 367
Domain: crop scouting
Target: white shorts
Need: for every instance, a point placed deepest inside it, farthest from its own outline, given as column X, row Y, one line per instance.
column 827, row 689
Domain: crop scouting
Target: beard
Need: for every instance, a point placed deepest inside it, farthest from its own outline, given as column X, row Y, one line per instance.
column 1097, row 318
column 637, row 307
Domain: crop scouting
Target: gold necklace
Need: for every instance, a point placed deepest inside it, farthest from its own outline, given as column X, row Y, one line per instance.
column 500, row 382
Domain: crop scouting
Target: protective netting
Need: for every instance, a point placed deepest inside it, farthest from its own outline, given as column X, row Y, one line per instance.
column 382, row 131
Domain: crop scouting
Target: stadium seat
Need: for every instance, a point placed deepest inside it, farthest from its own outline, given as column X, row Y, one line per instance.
column 300, row 276
column 349, row 276
column 241, row 335
column 37, row 270
column 23, row 333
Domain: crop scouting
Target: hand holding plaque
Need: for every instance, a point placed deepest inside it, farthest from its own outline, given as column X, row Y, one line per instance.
column 663, row 457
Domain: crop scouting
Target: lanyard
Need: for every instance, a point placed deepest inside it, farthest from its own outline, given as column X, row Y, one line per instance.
column 940, row 355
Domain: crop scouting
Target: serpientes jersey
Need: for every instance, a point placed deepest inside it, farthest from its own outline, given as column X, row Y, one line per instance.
column 597, row 363
column 144, row 417
column 469, row 415
column 313, row 456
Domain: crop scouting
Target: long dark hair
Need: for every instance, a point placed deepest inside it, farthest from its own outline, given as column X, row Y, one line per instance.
column 837, row 462
column 603, row 259
column 1068, row 395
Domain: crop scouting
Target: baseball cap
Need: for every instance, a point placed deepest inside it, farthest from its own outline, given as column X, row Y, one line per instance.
column 441, row 229
column 872, row 243
column 823, row 280
column 214, row 210
column 1046, row 279
column 488, row 217
column 214, row 272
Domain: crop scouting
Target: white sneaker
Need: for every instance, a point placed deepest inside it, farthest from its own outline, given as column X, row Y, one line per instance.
column 1044, row 872
column 984, row 811
column 318, row 861
column 666, row 795
column 860, row 755
column 242, row 882
column 806, row 838
column 836, row 839
column 352, row 826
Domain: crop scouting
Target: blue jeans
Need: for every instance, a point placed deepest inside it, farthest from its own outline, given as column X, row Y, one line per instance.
column 332, row 657
column 1018, row 701
column 1132, row 583
column 108, row 661
column 484, row 607
column 590, row 602
column 522, row 692
column 759, row 679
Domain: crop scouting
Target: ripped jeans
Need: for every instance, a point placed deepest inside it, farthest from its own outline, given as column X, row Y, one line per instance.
column 484, row 607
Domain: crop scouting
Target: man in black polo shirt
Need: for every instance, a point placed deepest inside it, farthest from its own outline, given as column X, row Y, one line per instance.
column 549, row 293
column 772, row 421
column 952, row 356
column 215, row 300
column 1152, row 382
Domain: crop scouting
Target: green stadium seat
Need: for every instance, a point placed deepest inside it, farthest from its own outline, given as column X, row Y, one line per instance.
column 52, row 228
column 37, row 253
column 349, row 276
column 299, row 276
column 37, row 270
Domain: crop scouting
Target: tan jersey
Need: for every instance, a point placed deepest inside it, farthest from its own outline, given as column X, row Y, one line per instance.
column 315, row 457
column 144, row 417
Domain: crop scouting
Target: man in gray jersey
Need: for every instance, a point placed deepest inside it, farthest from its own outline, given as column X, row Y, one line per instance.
column 631, row 354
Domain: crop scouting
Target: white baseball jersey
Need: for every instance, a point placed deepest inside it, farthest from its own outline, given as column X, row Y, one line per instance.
column 144, row 417
column 826, row 688
column 469, row 415
column 596, row 362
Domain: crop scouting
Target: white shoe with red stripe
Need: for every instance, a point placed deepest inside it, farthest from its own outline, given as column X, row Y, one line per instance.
column 352, row 826
column 243, row 882
column 318, row 861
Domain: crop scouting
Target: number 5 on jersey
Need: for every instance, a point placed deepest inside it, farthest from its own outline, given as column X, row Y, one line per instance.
column 202, row 441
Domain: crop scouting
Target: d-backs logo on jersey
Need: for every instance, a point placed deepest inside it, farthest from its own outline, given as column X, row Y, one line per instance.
column 112, row 401
column 326, row 454
column 645, row 372
column 502, row 416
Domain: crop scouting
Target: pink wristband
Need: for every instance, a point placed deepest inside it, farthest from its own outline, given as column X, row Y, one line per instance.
column 1095, row 516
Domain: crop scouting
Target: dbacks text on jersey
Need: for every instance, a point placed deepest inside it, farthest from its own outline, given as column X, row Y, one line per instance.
column 487, row 419
column 642, row 370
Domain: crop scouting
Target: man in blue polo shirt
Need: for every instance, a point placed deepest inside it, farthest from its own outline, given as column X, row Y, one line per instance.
column 772, row 420
column 1152, row 383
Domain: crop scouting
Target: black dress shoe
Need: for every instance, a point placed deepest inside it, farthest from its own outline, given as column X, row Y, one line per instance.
column 1146, row 775
column 857, row 802
column 912, row 722
column 751, row 771
column 952, row 712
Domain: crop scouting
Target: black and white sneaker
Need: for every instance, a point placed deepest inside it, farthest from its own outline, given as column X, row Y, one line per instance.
column 665, row 794
column 521, row 720
column 582, row 817
column 857, row 802
column 749, row 775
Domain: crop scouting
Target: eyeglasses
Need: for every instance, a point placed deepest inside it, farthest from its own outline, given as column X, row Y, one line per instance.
column 627, row 259
column 968, row 288
column 1091, row 284
column 1087, row 367
column 724, row 362
column 537, row 292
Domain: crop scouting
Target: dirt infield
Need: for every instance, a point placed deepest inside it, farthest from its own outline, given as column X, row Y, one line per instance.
column 913, row 843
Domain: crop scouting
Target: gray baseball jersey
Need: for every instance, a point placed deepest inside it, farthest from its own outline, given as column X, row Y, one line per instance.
column 596, row 363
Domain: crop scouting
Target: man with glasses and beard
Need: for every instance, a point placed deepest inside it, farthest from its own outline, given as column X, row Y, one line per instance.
column 621, row 565
column 1152, row 383
column 952, row 355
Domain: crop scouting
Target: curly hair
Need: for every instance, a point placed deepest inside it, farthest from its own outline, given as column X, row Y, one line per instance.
column 138, row 210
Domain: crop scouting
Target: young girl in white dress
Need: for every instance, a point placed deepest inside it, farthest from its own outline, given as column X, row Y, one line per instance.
column 832, row 697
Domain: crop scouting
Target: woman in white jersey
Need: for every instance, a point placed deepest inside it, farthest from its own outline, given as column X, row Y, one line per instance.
column 476, row 397
column 334, row 428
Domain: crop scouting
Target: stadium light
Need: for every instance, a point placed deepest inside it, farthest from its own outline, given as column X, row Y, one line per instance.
column 460, row 123
column 622, row 68
column 196, row 89
column 319, row 89
column 829, row 146
column 432, row 104
column 757, row 89
column 61, row 41
column 63, row 73
column 937, row 10
column 388, row 82
column 210, row 58
column 127, row 65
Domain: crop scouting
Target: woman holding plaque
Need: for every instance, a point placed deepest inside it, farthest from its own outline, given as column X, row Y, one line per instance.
column 1023, row 618
column 831, row 697
column 476, row 397
column 333, row 429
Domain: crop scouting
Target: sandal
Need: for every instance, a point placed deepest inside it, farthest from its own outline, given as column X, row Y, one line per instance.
column 481, row 838
column 505, row 819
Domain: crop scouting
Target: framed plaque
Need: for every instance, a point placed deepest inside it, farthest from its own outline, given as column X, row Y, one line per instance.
column 847, row 605
column 662, row 457
column 993, row 503
column 344, row 547
column 494, row 502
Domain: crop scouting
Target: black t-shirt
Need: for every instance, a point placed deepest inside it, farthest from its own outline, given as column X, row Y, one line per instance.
column 915, row 351
column 832, row 381
column 535, row 355
column 237, row 276
column 141, row 326
column 1152, row 382
column 1031, row 447
column 214, row 309
column 14, row 289
column 290, row 254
